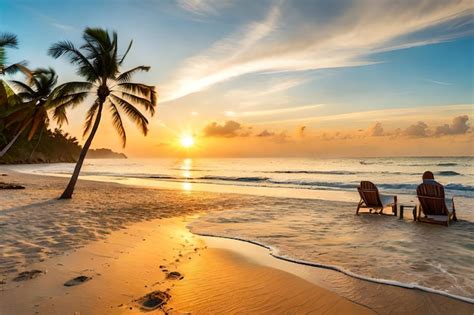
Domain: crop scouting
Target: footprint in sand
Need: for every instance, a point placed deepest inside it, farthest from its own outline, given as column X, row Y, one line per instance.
column 174, row 275
column 153, row 300
column 28, row 275
column 76, row 281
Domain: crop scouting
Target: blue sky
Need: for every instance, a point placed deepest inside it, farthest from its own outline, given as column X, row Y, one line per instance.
column 275, row 64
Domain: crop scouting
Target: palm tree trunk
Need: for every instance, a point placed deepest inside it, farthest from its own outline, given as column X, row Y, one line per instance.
column 67, row 194
column 9, row 145
column 36, row 145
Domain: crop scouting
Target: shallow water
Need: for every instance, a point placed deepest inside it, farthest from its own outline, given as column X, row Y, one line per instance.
column 321, row 231
column 380, row 247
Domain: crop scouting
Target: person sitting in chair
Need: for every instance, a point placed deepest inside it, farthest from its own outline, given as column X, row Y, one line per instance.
column 428, row 178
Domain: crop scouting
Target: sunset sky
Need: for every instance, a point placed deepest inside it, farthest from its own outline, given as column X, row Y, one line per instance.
column 277, row 78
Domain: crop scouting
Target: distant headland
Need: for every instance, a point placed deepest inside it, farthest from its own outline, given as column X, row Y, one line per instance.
column 104, row 153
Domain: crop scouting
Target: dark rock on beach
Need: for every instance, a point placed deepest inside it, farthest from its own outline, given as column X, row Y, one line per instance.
column 10, row 186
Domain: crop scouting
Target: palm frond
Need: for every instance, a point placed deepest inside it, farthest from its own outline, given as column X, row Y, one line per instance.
column 60, row 115
column 146, row 103
column 127, row 75
column 117, row 122
column 22, row 87
column 71, row 88
column 90, row 118
column 19, row 114
column 25, row 96
column 126, row 52
column 139, row 89
column 60, row 105
column 132, row 112
column 39, row 119
column 14, row 68
column 8, row 40
column 85, row 69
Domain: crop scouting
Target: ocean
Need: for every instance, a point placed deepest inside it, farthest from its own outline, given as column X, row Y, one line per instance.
column 312, row 219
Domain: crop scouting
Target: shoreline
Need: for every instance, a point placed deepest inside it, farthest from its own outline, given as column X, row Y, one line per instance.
column 321, row 279
column 127, row 266
column 274, row 253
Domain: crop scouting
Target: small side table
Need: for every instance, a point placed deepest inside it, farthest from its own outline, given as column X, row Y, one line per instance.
column 403, row 206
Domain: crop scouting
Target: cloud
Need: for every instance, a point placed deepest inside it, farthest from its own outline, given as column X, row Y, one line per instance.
column 48, row 19
column 420, row 129
column 438, row 82
column 228, row 129
column 270, row 112
column 260, row 93
column 459, row 126
column 389, row 114
column 305, row 39
column 266, row 133
column 376, row 130
column 280, row 137
column 203, row 7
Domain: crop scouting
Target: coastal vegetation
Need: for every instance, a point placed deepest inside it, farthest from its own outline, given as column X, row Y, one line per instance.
column 28, row 107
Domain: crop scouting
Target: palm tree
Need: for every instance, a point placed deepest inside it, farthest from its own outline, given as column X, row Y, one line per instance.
column 8, row 40
column 34, row 100
column 98, row 62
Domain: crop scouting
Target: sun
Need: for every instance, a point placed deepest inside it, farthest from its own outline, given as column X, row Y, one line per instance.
column 187, row 141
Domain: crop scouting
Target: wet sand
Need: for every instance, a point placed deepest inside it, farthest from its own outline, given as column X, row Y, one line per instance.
column 144, row 258
column 130, row 242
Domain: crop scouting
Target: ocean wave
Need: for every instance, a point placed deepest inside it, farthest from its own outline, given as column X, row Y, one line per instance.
column 352, row 186
column 447, row 173
column 460, row 187
column 190, row 169
column 440, row 173
column 262, row 181
column 315, row 172
column 235, row 179
column 162, row 177
column 275, row 253
column 307, row 184
column 314, row 183
column 376, row 162
column 447, row 164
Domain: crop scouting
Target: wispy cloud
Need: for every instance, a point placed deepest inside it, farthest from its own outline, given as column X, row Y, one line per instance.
column 390, row 114
column 271, row 112
column 203, row 7
column 298, row 41
column 437, row 82
column 63, row 27
column 48, row 19
column 271, row 87
column 202, row 71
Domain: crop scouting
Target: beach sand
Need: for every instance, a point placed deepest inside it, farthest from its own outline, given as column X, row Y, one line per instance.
column 129, row 242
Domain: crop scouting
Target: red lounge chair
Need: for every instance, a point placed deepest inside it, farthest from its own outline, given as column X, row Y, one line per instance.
column 372, row 200
column 433, row 207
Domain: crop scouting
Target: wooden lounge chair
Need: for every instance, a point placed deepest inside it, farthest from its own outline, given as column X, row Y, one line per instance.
column 372, row 200
column 433, row 207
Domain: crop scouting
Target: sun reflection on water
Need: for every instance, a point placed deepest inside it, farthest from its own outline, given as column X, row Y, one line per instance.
column 187, row 186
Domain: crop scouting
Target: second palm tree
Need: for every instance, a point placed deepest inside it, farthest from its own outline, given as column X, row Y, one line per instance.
column 99, row 62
